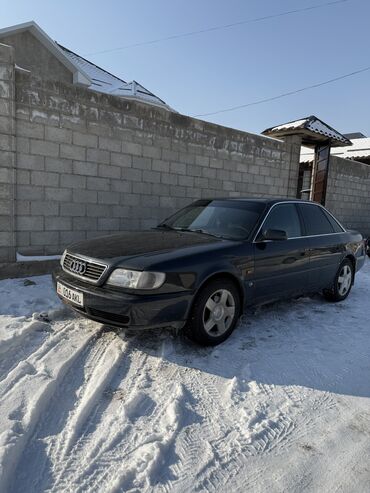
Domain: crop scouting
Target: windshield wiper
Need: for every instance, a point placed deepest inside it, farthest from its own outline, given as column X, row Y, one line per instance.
column 164, row 226
column 187, row 230
column 167, row 226
column 203, row 232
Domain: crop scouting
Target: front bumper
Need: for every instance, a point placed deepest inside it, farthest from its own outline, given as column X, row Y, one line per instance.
column 121, row 309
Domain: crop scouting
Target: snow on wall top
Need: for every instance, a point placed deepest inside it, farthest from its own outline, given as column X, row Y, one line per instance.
column 105, row 82
column 310, row 125
column 359, row 149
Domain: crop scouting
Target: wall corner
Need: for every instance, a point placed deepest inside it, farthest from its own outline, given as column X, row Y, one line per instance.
column 7, row 155
column 294, row 143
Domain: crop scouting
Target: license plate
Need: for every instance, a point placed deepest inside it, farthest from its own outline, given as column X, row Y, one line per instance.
column 70, row 294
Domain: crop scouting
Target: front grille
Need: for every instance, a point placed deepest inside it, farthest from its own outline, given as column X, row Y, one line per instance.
column 92, row 271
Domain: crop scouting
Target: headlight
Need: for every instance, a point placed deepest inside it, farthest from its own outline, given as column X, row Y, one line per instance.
column 134, row 279
column 62, row 258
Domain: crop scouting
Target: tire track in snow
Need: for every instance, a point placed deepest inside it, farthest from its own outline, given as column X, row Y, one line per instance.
column 24, row 394
column 217, row 468
column 114, row 435
column 229, row 451
column 26, row 339
column 229, row 434
column 205, row 455
column 126, row 431
column 21, row 347
column 34, row 361
column 191, row 451
column 102, row 365
column 128, row 428
column 105, row 428
column 146, row 461
column 265, row 429
column 67, row 411
column 95, row 436
column 199, row 455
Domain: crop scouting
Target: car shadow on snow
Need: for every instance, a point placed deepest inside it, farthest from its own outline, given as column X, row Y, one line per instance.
column 306, row 342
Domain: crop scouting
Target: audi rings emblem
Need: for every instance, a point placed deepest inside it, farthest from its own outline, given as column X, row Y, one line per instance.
column 78, row 267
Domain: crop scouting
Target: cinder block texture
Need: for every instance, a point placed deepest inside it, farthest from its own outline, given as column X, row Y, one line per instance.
column 7, row 154
column 91, row 164
column 348, row 193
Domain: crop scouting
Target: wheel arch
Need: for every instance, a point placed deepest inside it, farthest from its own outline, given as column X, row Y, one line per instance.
column 352, row 259
column 221, row 275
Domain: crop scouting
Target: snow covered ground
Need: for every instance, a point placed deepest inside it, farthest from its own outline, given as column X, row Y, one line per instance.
column 283, row 405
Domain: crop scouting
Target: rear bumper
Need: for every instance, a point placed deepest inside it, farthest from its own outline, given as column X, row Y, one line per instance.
column 113, row 307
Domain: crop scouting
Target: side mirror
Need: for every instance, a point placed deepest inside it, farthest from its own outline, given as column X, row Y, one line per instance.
column 273, row 235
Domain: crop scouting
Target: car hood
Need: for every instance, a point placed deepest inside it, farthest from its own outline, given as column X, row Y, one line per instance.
column 117, row 247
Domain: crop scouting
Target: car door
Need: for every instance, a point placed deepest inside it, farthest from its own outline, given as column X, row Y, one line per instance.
column 325, row 243
column 281, row 266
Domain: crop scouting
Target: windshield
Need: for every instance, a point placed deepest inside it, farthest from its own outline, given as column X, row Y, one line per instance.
column 232, row 219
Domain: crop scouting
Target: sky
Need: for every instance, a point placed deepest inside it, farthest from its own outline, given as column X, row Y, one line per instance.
column 224, row 68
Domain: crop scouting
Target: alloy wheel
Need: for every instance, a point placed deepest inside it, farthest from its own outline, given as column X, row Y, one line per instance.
column 344, row 280
column 219, row 312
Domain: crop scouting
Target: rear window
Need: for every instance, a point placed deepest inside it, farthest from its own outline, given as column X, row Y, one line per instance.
column 316, row 221
column 333, row 222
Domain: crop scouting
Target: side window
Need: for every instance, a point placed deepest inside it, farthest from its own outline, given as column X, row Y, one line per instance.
column 333, row 222
column 284, row 217
column 315, row 220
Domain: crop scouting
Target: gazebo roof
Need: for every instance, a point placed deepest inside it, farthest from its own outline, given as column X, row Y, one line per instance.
column 312, row 130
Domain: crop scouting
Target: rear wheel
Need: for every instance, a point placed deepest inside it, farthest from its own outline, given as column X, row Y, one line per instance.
column 215, row 313
column 342, row 284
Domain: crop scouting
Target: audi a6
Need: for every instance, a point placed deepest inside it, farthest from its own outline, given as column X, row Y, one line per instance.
column 199, row 269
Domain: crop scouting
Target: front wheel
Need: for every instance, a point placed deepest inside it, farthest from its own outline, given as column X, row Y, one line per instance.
column 343, row 282
column 215, row 313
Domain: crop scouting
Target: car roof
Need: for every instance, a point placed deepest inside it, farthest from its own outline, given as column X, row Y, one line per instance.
column 265, row 200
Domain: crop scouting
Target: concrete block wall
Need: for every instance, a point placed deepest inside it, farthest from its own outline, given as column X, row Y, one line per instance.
column 348, row 193
column 294, row 143
column 31, row 54
column 89, row 164
column 7, row 154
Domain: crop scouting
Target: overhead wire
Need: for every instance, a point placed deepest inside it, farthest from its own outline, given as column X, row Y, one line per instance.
column 285, row 94
column 217, row 28
column 239, row 23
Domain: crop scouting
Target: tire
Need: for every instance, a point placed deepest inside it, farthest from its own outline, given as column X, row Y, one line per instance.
column 214, row 314
column 342, row 283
